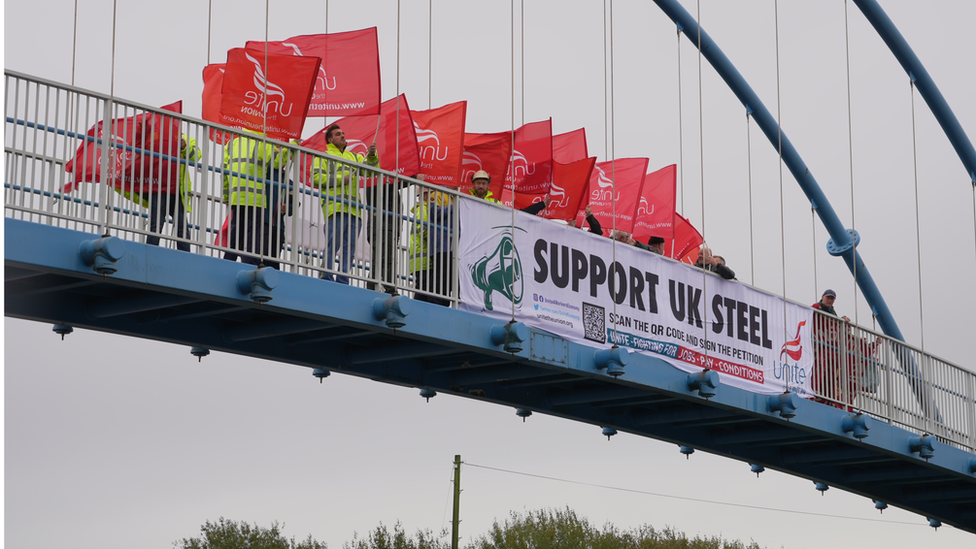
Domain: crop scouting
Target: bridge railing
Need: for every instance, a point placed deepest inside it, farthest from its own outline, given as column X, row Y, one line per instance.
column 173, row 180
column 403, row 230
column 861, row 370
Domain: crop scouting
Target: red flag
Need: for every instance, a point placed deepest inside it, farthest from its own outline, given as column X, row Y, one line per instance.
column 568, row 188
column 491, row 152
column 348, row 81
column 655, row 212
column 614, row 191
column 440, row 136
column 223, row 236
column 530, row 171
column 569, row 147
column 361, row 131
column 686, row 241
column 279, row 87
column 213, row 81
column 143, row 152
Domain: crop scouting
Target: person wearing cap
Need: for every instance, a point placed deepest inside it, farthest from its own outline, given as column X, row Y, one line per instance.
column 656, row 245
column 480, row 182
column 826, row 304
column 835, row 359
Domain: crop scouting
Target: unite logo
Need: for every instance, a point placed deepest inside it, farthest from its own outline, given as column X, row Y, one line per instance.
column 322, row 82
column 257, row 101
column 520, row 166
column 559, row 198
column 794, row 347
column 430, row 151
column 357, row 146
column 470, row 163
column 642, row 208
column 605, row 192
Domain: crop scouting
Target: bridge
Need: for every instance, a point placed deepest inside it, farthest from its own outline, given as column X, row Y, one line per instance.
column 79, row 259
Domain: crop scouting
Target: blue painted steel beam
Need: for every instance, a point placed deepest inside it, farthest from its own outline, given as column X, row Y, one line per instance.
column 926, row 86
column 751, row 430
column 842, row 242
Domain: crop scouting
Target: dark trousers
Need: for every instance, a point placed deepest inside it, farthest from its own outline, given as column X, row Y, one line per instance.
column 435, row 279
column 250, row 232
column 160, row 206
column 383, row 234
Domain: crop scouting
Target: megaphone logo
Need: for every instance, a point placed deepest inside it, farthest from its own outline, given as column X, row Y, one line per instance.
column 500, row 272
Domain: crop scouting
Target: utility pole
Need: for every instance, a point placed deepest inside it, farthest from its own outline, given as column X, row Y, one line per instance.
column 457, row 502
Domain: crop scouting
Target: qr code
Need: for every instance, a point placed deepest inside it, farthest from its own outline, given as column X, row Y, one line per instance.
column 595, row 323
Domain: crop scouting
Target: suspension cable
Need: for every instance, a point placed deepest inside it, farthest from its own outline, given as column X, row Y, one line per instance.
column 701, row 179
column 850, row 151
column 918, row 231
column 613, row 180
column 813, row 231
column 511, row 166
column 74, row 45
column 114, row 28
column 606, row 98
column 782, row 206
column 681, row 143
column 752, row 238
column 430, row 54
column 522, row 64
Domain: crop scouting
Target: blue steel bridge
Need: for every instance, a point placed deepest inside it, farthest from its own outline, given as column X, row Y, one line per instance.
column 79, row 259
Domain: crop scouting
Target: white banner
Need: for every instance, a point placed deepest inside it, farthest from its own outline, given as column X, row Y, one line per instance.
column 583, row 288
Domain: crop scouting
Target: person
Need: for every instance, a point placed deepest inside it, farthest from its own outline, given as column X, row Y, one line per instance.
column 429, row 259
column 713, row 263
column 826, row 304
column 591, row 220
column 656, row 245
column 339, row 187
column 383, row 230
column 161, row 204
column 248, row 192
column 480, row 182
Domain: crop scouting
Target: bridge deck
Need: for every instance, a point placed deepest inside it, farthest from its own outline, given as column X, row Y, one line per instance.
column 336, row 328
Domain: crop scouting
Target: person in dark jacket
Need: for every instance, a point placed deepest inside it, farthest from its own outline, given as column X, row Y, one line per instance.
column 714, row 263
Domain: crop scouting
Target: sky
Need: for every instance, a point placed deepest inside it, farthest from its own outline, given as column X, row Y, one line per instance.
column 116, row 442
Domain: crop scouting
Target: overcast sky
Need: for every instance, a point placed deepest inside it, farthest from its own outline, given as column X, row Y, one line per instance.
column 115, row 442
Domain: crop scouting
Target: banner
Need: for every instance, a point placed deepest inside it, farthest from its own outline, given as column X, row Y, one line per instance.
column 270, row 95
column 143, row 153
column 564, row 281
column 440, row 136
column 395, row 124
column 655, row 211
column 348, row 81
column 569, row 147
column 491, row 152
column 614, row 192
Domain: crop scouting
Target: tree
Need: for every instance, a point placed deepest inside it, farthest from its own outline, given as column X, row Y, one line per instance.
column 562, row 529
column 228, row 534
column 381, row 538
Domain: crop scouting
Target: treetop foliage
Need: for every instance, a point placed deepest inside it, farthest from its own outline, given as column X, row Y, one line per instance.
column 541, row 529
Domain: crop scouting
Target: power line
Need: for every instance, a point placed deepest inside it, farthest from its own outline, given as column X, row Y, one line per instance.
column 685, row 498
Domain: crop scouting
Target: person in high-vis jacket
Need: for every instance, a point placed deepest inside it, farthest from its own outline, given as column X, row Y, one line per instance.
column 480, row 182
column 248, row 190
column 161, row 205
column 339, row 187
